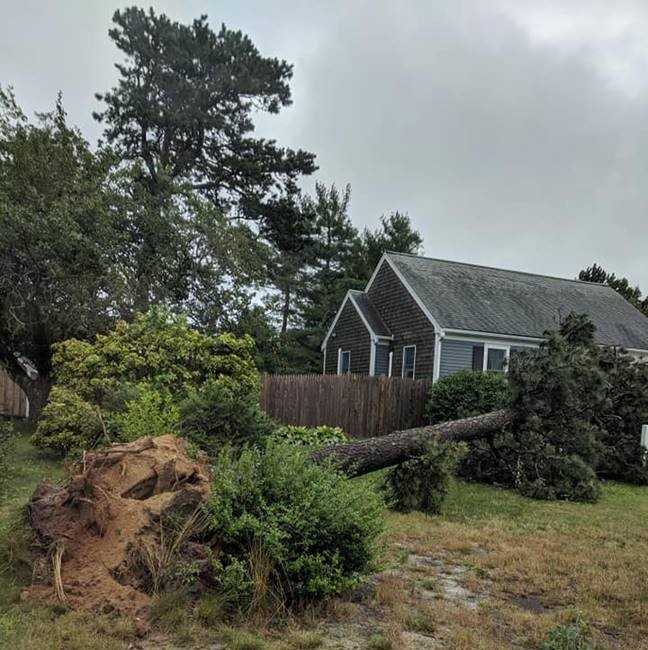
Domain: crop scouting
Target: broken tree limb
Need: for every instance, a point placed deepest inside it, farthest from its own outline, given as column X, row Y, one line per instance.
column 368, row 455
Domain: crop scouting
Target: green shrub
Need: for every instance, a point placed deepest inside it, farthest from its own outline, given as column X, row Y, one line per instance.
column 136, row 377
column 68, row 423
column 465, row 394
column 223, row 412
column 310, row 436
column 149, row 413
column 307, row 530
column 422, row 483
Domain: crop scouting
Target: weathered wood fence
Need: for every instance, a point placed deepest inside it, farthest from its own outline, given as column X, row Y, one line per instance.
column 13, row 401
column 363, row 406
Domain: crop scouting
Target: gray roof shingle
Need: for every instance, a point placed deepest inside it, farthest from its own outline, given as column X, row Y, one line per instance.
column 365, row 306
column 478, row 298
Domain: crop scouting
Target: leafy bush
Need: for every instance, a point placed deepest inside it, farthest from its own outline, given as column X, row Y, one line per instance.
column 136, row 377
column 310, row 436
column 466, row 394
column 223, row 412
column 285, row 525
column 422, row 483
column 68, row 423
column 149, row 413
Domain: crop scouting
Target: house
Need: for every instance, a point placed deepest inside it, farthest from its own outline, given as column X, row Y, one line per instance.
column 422, row 317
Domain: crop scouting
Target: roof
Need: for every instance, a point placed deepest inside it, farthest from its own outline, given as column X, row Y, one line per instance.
column 371, row 316
column 464, row 296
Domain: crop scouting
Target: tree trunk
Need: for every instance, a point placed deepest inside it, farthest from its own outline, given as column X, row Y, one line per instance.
column 37, row 391
column 285, row 311
column 371, row 454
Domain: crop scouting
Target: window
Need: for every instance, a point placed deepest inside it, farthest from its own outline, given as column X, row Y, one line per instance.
column 344, row 362
column 409, row 361
column 496, row 359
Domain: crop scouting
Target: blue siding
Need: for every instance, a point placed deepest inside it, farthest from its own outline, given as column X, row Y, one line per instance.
column 382, row 359
column 455, row 356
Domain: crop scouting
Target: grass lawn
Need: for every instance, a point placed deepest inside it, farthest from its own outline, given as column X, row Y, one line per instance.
column 494, row 571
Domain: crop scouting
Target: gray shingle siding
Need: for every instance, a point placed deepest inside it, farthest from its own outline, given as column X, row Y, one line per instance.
column 405, row 320
column 455, row 356
column 350, row 334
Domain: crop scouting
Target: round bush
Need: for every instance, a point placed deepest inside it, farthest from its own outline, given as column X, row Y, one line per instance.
column 308, row 531
column 466, row 394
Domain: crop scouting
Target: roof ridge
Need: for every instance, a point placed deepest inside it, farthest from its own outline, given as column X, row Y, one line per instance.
column 496, row 268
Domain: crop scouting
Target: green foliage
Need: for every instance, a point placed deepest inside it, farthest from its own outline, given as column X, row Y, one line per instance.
column 622, row 286
column 150, row 413
column 142, row 376
column 184, row 108
column 68, row 423
column 310, row 436
column 621, row 416
column 466, row 394
column 58, row 236
column 568, row 637
column 422, row 483
column 223, row 412
column 315, row 529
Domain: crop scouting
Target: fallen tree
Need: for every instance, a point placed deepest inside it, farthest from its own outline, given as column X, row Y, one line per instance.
column 371, row 454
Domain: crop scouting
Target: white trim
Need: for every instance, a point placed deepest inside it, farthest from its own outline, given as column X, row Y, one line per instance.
column 436, row 369
column 406, row 284
column 494, row 335
column 372, row 358
column 484, row 341
column 507, row 355
column 403, row 361
column 349, row 297
column 339, row 367
column 391, row 363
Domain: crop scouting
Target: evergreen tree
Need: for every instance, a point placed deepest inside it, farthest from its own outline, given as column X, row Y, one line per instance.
column 395, row 234
column 622, row 286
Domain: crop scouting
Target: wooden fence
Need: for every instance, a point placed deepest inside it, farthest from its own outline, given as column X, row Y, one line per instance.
column 13, row 401
column 363, row 406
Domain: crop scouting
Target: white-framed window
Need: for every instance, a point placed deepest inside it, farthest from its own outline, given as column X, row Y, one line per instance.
column 409, row 361
column 496, row 358
column 344, row 362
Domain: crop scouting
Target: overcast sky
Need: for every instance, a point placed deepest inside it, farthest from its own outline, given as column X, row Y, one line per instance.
column 513, row 132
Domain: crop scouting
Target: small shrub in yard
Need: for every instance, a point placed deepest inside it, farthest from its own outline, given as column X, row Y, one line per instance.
column 466, row 394
column 221, row 413
column 568, row 637
column 421, row 484
column 149, row 413
column 68, row 423
column 310, row 436
column 289, row 530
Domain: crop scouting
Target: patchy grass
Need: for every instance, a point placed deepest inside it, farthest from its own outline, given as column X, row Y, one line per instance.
column 494, row 570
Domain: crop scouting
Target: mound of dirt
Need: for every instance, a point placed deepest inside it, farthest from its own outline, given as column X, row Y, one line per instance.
column 112, row 504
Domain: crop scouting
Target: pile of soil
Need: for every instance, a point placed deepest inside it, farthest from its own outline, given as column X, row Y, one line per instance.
column 114, row 502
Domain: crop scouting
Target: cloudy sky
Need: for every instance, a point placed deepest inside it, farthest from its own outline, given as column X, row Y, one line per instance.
column 514, row 132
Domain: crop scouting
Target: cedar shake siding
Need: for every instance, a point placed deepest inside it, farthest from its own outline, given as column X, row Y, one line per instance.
column 408, row 324
column 351, row 334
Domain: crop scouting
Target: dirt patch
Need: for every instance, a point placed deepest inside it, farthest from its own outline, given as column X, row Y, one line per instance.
column 113, row 502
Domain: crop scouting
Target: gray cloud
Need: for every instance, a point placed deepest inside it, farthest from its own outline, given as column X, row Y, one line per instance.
column 514, row 133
